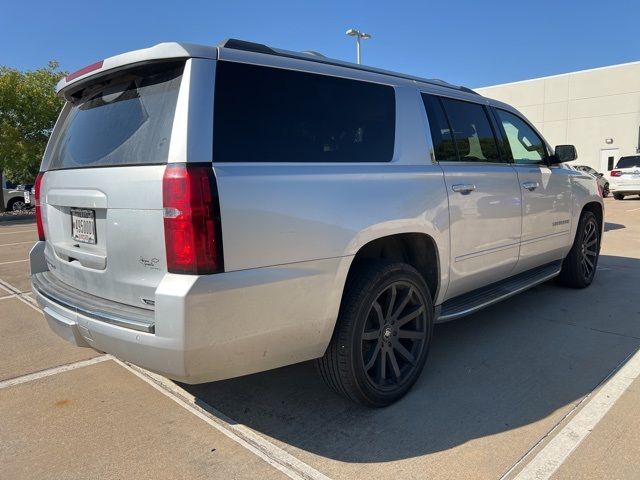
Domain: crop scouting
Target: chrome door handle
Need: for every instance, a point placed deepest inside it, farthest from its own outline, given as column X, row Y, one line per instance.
column 531, row 186
column 463, row 188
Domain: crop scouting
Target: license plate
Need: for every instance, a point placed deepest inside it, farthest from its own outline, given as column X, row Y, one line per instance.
column 27, row 197
column 83, row 225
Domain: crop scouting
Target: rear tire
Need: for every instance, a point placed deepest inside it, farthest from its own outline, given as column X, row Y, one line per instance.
column 16, row 205
column 618, row 196
column 605, row 190
column 579, row 266
column 382, row 336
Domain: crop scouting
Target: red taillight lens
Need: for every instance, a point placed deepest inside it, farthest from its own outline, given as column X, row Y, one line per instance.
column 36, row 199
column 192, row 234
column 616, row 173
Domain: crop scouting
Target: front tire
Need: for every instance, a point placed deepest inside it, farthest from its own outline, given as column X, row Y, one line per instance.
column 618, row 196
column 579, row 266
column 605, row 190
column 382, row 337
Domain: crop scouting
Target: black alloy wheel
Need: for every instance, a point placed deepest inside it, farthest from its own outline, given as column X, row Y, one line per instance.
column 579, row 266
column 394, row 335
column 382, row 336
column 589, row 249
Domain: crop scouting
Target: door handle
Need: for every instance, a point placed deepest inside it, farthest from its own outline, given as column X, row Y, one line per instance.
column 463, row 188
column 531, row 186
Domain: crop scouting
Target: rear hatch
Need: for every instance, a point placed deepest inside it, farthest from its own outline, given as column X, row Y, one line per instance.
column 101, row 195
column 627, row 172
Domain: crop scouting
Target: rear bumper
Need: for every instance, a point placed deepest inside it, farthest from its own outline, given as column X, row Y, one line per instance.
column 630, row 189
column 213, row 327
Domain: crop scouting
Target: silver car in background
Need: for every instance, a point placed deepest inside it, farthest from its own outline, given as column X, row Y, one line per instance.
column 210, row 212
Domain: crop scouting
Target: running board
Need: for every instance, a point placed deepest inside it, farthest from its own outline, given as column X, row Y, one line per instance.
column 483, row 297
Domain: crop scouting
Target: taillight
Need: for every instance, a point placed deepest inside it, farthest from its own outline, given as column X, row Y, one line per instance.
column 615, row 173
column 36, row 199
column 192, row 233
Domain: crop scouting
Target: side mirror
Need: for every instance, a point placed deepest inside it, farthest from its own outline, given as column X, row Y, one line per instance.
column 564, row 153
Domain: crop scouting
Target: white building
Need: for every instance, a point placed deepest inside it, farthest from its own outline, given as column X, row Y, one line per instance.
column 596, row 110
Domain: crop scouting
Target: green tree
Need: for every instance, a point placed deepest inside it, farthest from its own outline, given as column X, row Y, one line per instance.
column 28, row 109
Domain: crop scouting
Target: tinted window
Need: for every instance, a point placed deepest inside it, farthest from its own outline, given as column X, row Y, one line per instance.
column 443, row 146
column 524, row 143
column 472, row 131
column 628, row 162
column 272, row 115
column 123, row 120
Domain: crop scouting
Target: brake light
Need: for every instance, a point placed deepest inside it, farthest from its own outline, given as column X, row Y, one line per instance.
column 616, row 173
column 192, row 227
column 84, row 70
column 36, row 199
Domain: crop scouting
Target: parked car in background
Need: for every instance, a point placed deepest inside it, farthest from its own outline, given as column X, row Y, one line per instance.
column 14, row 199
column 624, row 179
column 602, row 181
column 292, row 207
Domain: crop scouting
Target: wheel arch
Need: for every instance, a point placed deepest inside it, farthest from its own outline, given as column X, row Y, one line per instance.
column 597, row 209
column 413, row 248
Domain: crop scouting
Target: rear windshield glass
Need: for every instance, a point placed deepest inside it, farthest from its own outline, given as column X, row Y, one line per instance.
column 628, row 162
column 264, row 114
column 125, row 119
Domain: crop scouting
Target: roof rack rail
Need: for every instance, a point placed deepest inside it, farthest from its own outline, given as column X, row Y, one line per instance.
column 317, row 57
column 246, row 46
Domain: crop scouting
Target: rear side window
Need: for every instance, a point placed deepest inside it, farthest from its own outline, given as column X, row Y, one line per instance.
column 443, row 146
column 265, row 114
column 628, row 162
column 472, row 132
column 125, row 119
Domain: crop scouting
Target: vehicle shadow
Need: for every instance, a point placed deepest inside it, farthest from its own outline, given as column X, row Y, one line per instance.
column 505, row 367
column 608, row 226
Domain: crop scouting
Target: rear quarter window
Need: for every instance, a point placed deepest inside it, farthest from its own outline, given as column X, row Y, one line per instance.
column 264, row 114
column 124, row 119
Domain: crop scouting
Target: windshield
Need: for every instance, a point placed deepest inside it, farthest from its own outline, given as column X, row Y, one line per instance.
column 125, row 119
column 628, row 162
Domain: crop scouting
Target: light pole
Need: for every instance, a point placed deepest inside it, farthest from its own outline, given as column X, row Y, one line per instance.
column 352, row 32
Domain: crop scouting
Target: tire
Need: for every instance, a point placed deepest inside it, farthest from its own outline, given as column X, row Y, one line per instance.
column 579, row 266
column 605, row 190
column 369, row 357
column 618, row 196
column 16, row 205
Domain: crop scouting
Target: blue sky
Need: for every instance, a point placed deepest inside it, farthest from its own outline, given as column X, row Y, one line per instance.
column 475, row 43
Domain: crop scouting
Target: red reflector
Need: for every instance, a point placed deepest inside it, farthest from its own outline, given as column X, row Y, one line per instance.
column 191, row 219
column 616, row 173
column 36, row 197
column 82, row 71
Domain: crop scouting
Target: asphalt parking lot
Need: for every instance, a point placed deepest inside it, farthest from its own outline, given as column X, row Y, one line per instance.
column 506, row 393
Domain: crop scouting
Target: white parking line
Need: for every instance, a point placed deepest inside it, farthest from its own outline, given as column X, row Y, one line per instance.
column 633, row 210
column 270, row 453
column 18, row 231
column 549, row 459
column 16, row 243
column 52, row 371
column 14, row 261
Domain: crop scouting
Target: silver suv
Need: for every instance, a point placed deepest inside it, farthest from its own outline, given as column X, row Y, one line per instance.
column 210, row 212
